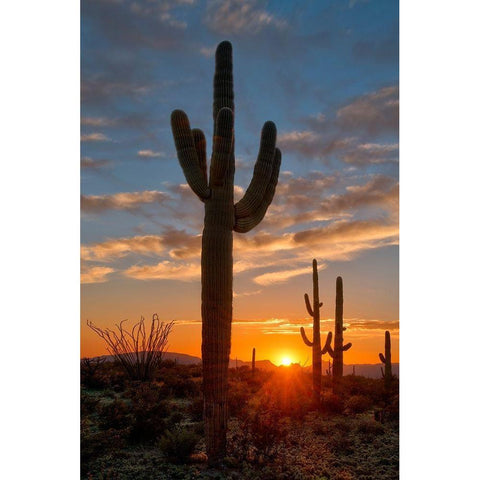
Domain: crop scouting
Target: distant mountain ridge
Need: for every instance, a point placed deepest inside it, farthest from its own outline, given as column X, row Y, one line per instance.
column 366, row 369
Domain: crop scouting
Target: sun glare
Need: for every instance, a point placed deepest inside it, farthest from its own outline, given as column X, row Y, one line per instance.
column 286, row 361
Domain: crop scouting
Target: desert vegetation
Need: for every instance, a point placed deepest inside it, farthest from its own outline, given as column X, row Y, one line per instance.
column 154, row 429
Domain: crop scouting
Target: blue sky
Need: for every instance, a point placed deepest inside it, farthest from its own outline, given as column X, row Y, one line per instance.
column 325, row 72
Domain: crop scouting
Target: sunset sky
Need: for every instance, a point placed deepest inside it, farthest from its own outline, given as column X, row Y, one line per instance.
column 327, row 74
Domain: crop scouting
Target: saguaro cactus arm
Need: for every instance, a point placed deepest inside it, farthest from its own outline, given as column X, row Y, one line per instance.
column 382, row 358
column 347, row 346
column 327, row 347
column 257, row 208
column 194, row 172
column 308, row 305
column 262, row 173
column 307, row 342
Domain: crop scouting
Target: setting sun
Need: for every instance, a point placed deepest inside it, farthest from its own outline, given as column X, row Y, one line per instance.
column 286, row 361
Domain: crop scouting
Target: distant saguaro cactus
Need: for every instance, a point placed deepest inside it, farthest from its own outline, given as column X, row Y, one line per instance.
column 338, row 347
column 253, row 360
column 222, row 217
column 316, row 343
column 387, row 360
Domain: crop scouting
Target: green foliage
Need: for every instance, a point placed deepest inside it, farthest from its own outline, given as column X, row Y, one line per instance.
column 178, row 444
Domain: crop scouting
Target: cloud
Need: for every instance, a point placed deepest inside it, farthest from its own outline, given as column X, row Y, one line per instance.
column 149, row 154
column 373, row 113
column 371, row 153
column 97, row 122
column 283, row 275
column 208, row 52
column 236, row 17
column 119, row 247
column 362, row 324
column 121, row 201
column 94, row 137
column 165, row 270
column 95, row 274
column 133, row 24
column 87, row 163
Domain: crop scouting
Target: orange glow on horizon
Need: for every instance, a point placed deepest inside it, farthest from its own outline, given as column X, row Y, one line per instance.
column 286, row 361
column 280, row 348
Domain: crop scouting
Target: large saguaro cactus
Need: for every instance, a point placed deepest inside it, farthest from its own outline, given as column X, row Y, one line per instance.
column 387, row 360
column 338, row 346
column 316, row 343
column 222, row 217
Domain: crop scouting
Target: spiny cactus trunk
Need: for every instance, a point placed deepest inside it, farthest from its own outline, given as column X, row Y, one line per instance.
column 339, row 347
column 316, row 344
column 217, row 273
column 338, row 340
column 222, row 217
column 387, row 360
column 253, row 361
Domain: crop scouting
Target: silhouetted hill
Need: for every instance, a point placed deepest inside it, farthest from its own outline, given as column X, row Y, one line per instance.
column 370, row 370
column 181, row 358
column 263, row 364
column 365, row 370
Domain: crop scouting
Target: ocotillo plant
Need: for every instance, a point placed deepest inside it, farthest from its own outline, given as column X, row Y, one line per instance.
column 253, row 361
column 222, row 217
column 338, row 346
column 316, row 343
column 387, row 360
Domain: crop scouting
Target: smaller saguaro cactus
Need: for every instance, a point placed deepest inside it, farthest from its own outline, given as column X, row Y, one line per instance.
column 387, row 361
column 316, row 344
column 353, row 373
column 253, row 361
column 338, row 347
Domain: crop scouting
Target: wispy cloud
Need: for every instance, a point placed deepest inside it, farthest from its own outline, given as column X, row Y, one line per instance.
column 94, row 137
column 282, row 276
column 373, row 113
column 87, row 163
column 149, row 154
column 95, row 274
column 165, row 270
column 240, row 17
column 121, row 201
column 116, row 248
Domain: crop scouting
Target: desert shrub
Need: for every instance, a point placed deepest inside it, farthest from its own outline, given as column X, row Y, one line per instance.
column 332, row 404
column 238, row 396
column 341, row 443
column 369, row 426
column 179, row 386
column 173, row 420
column 88, row 404
column 177, row 445
column 114, row 415
column 260, row 434
column 95, row 444
column 367, row 387
column 149, row 411
column 358, row 404
column 343, row 425
column 195, row 409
